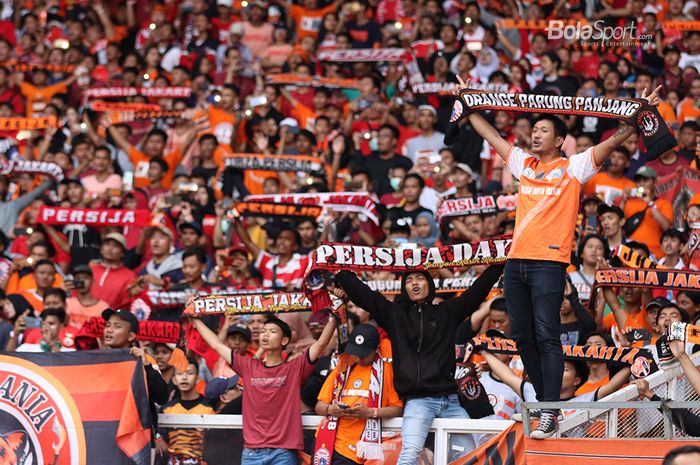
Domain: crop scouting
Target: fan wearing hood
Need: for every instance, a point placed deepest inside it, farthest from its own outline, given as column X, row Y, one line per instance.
column 422, row 338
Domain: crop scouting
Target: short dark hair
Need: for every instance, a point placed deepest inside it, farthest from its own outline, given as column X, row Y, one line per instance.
column 162, row 164
column 57, row 291
column 281, row 324
column 640, row 246
column 417, row 177
column 673, row 453
column 560, row 129
column 684, row 315
column 47, row 245
column 45, row 262
column 623, row 150
column 196, row 252
column 674, row 233
column 159, row 133
column 57, row 312
column 394, row 130
column 193, row 361
column 206, row 137
column 290, row 228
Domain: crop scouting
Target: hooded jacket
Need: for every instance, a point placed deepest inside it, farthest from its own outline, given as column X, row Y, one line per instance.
column 422, row 335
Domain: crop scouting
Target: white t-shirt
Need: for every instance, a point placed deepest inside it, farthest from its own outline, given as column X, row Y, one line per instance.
column 504, row 400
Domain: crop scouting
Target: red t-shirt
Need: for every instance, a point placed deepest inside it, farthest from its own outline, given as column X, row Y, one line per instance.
column 271, row 406
column 276, row 275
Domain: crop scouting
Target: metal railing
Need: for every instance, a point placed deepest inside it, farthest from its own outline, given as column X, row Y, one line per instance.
column 442, row 427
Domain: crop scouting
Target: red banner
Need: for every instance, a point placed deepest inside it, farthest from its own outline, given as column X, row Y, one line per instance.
column 312, row 81
column 336, row 201
column 254, row 161
column 21, row 124
column 154, row 92
column 678, row 189
column 93, row 216
column 165, row 332
column 481, row 205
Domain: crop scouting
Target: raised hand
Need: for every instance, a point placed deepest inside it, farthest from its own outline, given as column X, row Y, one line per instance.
column 652, row 98
column 461, row 86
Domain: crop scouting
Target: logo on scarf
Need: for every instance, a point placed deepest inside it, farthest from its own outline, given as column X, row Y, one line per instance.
column 457, row 110
column 648, row 123
column 470, row 387
column 641, row 368
column 322, row 457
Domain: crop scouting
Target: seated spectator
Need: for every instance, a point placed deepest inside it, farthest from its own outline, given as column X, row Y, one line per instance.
column 164, row 268
column 574, row 318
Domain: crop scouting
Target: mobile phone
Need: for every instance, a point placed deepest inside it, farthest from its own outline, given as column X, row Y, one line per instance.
column 638, row 192
column 593, row 221
column 257, row 100
column 189, row 187
column 343, row 406
column 31, row 322
column 639, row 334
column 227, row 203
column 22, row 231
column 354, row 184
column 173, row 200
column 128, row 181
column 79, row 284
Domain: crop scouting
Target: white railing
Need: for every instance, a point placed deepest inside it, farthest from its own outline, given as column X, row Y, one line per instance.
column 442, row 427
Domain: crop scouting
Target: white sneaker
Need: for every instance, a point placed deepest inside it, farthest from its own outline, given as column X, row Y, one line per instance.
column 548, row 427
column 534, row 414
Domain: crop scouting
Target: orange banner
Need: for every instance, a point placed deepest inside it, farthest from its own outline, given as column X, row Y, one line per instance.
column 507, row 447
column 21, row 124
column 538, row 25
column 312, row 81
column 681, row 25
column 598, row 451
column 99, row 105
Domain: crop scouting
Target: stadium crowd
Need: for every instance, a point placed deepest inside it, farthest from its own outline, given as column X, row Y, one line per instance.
column 267, row 78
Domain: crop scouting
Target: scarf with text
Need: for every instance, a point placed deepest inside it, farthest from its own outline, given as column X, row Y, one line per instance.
column 336, row 201
column 312, row 81
column 679, row 331
column 244, row 303
column 19, row 166
column 693, row 239
column 370, row 445
column 27, row 67
column 165, row 332
column 641, row 361
column 482, row 205
column 445, row 88
column 277, row 210
column 152, row 92
column 24, row 124
column 100, row 105
column 652, row 278
column 372, row 55
column 634, row 111
column 258, row 161
column 336, row 256
column 444, row 285
column 633, row 259
column 93, row 216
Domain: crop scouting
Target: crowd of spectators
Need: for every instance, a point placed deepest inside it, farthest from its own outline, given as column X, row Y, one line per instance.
column 379, row 134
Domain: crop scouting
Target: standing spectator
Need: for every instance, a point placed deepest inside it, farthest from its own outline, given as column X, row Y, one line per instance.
column 111, row 278
column 410, row 208
column 165, row 268
column 575, row 320
column 429, row 139
column 257, row 32
column 83, row 305
column 612, row 184
column 611, row 220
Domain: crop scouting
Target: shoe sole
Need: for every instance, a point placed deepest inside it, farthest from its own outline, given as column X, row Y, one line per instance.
column 540, row 435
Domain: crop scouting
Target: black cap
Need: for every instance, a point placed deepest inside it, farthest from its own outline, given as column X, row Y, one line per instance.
column 671, row 48
column 239, row 329
column 82, row 269
column 218, row 386
column 191, row 225
column 605, row 208
column 68, row 181
column 123, row 315
column 363, row 341
column 496, row 333
column 660, row 302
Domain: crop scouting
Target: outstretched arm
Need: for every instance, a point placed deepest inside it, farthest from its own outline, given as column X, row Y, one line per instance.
column 363, row 296
column 212, row 339
column 470, row 300
column 319, row 346
column 502, row 371
column 615, row 383
column 602, row 151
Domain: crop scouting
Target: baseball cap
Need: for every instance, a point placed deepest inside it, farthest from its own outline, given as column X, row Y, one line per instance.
column 495, row 333
column 659, row 302
column 466, row 168
column 671, row 48
column 605, row 208
column 228, row 3
column 218, row 386
column 191, row 225
column 82, row 269
column 123, row 315
column 237, row 29
column 429, row 108
column 591, row 198
column 116, row 237
column 645, row 172
column 363, row 340
column 239, row 329
column 292, row 123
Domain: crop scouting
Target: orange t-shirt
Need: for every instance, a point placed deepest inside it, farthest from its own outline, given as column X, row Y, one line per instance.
column 221, row 125
column 141, row 163
column 637, row 320
column 349, row 431
column 308, row 22
column 667, row 114
column 39, row 97
column 305, row 115
column 687, row 111
column 548, row 199
column 16, row 284
column 649, row 232
column 608, row 187
column 34, row 299
column 590, row 387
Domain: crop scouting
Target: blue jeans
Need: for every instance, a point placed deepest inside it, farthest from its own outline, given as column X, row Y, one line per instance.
column 418, row 415
column 534, row 293
column 265, row 456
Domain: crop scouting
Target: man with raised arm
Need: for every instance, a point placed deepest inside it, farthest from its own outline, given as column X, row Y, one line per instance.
column 548, row 204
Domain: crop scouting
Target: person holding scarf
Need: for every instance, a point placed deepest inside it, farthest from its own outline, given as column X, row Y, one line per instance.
column 535, row 274
column 354, row 404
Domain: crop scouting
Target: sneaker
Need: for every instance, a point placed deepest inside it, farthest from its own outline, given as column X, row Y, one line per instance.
column 548, row 427
column 534, row 415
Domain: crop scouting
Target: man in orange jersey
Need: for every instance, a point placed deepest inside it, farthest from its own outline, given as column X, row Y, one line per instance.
column 535, row 274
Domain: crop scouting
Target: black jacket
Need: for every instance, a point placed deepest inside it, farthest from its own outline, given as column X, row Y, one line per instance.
column 422, row 336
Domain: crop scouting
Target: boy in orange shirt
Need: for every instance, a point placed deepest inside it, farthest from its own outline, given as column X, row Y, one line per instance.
column 357, row 394
column 613, row 183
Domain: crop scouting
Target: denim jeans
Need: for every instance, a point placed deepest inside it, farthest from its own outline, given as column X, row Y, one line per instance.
column 264, row 456
column 418, row 415
column 534, row 293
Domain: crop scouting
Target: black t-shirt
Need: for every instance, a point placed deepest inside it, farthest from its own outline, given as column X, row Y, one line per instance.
column 402, row 217
column 378, row 169
column 364, row 36
column 565, row 85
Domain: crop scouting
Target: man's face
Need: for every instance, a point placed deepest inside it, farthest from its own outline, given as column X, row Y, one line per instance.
column 54, row 301
column 101, row 161
column 271, row 337
column 417, row 287
column 667, row 316
column 695, row 89
column 411, row 190
column 632, row 144
column 117, row 333
column 186, row 381
column 39, row 252
column 286, row 243
column 475, row 224
column 237, row 342
column 543, row 138
column 611, row 82
column 365, row 361
column 647, row 183
column 596, row 341
column 50, row 327
column 643, row 82
column 672, row 58
column 75, row 193
column 188, row 238
column 154, row 146
column 307, row 232
column 303, row 145
column 547, row 65
column 686, row 137
column 160, row 244
column 162, row 355
column 632, row 295
column 111, row 251
column 498, row 319
column 228, row 99
column 671, row 246
column 192, row 269
column 386, row 143
column 618, row 163
column 44, row 276
column 570, row 380
column 426, row 120
column 255, row 326
column 611, row 224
